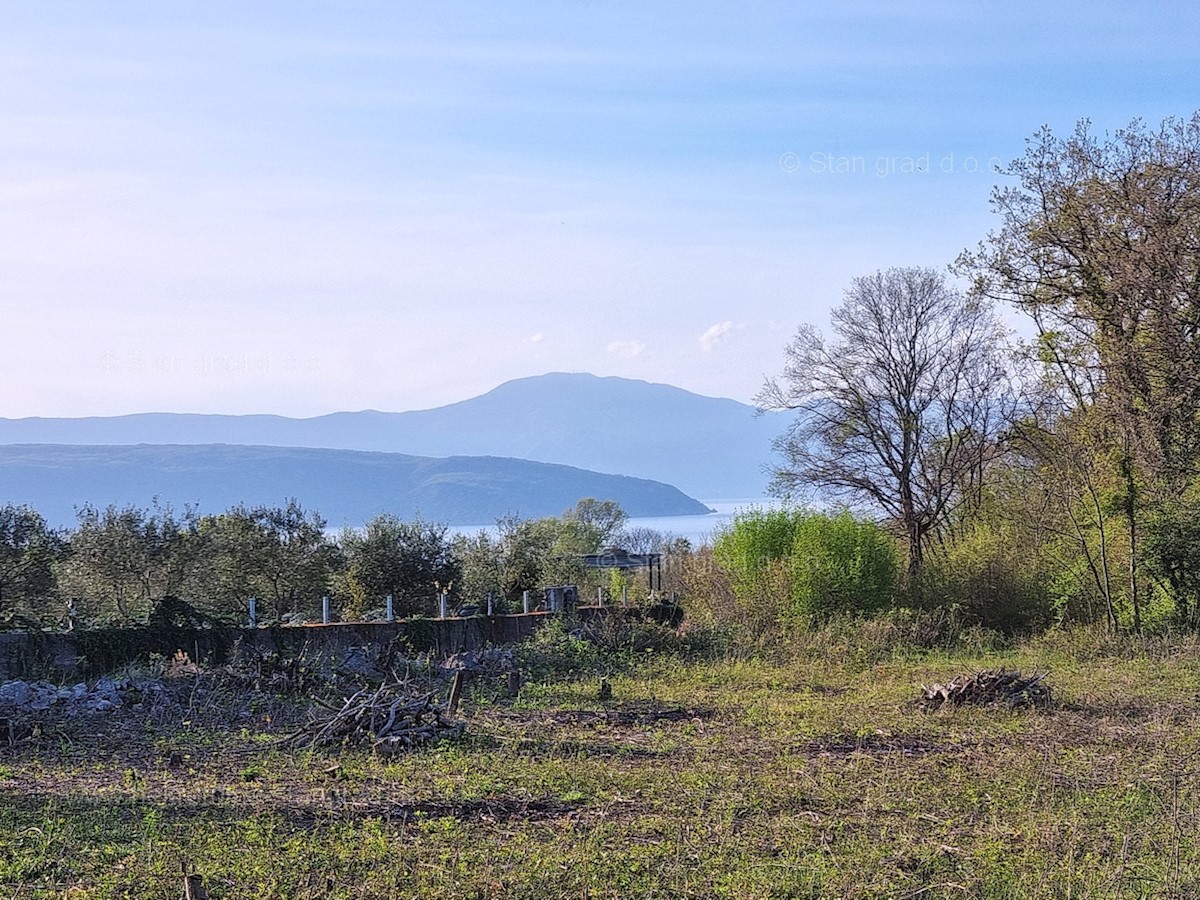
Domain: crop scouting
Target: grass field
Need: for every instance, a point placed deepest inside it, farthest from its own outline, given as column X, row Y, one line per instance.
column 811, row 776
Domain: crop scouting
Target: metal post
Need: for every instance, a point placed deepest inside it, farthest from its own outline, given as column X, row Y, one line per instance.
column 442, row 605
column 599, row 596
column 391, row 615
column 525, row 600
column 325, row 610
column 490, row 607
column 253, row 613
column 624, row 595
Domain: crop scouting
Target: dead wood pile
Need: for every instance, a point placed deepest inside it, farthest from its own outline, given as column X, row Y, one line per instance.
column 997, row 687
column 391, row 718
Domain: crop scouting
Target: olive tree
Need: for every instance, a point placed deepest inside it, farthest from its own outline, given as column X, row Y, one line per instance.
column 412, row 561
column 123, row 561
column 278, row 553
column 28, row 550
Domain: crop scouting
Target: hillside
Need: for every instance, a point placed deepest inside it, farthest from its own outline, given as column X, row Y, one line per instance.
column 347, row 487
column 708, row 447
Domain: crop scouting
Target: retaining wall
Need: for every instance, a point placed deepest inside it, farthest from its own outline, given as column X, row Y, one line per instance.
column 90, row 653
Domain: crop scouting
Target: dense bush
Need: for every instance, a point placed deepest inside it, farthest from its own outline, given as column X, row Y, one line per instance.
column 744, row 584
column 785, row 565
column 986, row 575
column 841, row 565
column 1172, row 547
column 555, row 650
column 752, row 541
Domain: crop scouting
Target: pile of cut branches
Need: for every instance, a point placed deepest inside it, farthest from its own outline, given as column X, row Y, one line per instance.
column 996, row 687
column 391, row 718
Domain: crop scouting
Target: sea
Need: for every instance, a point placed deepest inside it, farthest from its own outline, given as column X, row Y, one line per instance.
column 699, row 530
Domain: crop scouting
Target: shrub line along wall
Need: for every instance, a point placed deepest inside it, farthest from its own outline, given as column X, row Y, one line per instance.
column 90, row 653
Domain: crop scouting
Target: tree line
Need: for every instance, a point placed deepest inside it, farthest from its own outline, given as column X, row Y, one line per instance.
column 1054, row 479
column 131, row 565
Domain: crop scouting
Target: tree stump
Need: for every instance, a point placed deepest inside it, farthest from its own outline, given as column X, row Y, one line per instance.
column 193, row 887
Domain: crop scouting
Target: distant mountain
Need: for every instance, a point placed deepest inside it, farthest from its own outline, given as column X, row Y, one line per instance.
column 345, row 486
column 708, row 447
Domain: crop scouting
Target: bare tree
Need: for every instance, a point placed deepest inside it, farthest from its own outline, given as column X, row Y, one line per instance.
column 902, row 410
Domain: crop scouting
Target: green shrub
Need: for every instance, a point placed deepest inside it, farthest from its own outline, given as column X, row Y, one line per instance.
column 753, row 553
column 752, row 541
column 841, row 565
column 553, row 651
column 993, row 581
column 1172, row 549
column 733, row 625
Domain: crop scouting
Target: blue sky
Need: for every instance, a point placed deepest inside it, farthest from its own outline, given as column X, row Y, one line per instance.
column 305, row 207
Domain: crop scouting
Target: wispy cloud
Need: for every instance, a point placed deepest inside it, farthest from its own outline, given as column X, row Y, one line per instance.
column 714, row 335
column 626, row 349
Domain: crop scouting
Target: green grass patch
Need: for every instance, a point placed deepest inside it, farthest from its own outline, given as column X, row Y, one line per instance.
column 808, row 777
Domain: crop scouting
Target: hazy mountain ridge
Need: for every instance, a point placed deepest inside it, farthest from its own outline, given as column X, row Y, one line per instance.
column 708, row 447
column 345, row 486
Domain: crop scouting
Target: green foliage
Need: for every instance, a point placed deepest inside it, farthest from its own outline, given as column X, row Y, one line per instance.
column 899, row 409
column 604, row 519
column 1072, row 591
column 618, row 583
column 411, row 561
column 525, row 549
column 481, row 569
column 992, row 580
column 537, row 553
column 745, row 584
column 841, row 565
column 278, row 554
column 794, row 564
column 1172, row 548
column 554, row 650
column 754, row 540
column 28, row 551
column 1097, row 243
column 124, row 560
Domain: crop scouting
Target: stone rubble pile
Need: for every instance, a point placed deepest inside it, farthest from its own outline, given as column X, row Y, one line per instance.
column 106, row 695
column 489, row 661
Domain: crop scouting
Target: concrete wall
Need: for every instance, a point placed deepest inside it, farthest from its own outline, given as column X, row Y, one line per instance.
column 85, row 654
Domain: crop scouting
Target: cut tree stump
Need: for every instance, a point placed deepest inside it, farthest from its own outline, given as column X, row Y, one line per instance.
column 456, row 688
column 193, row 887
